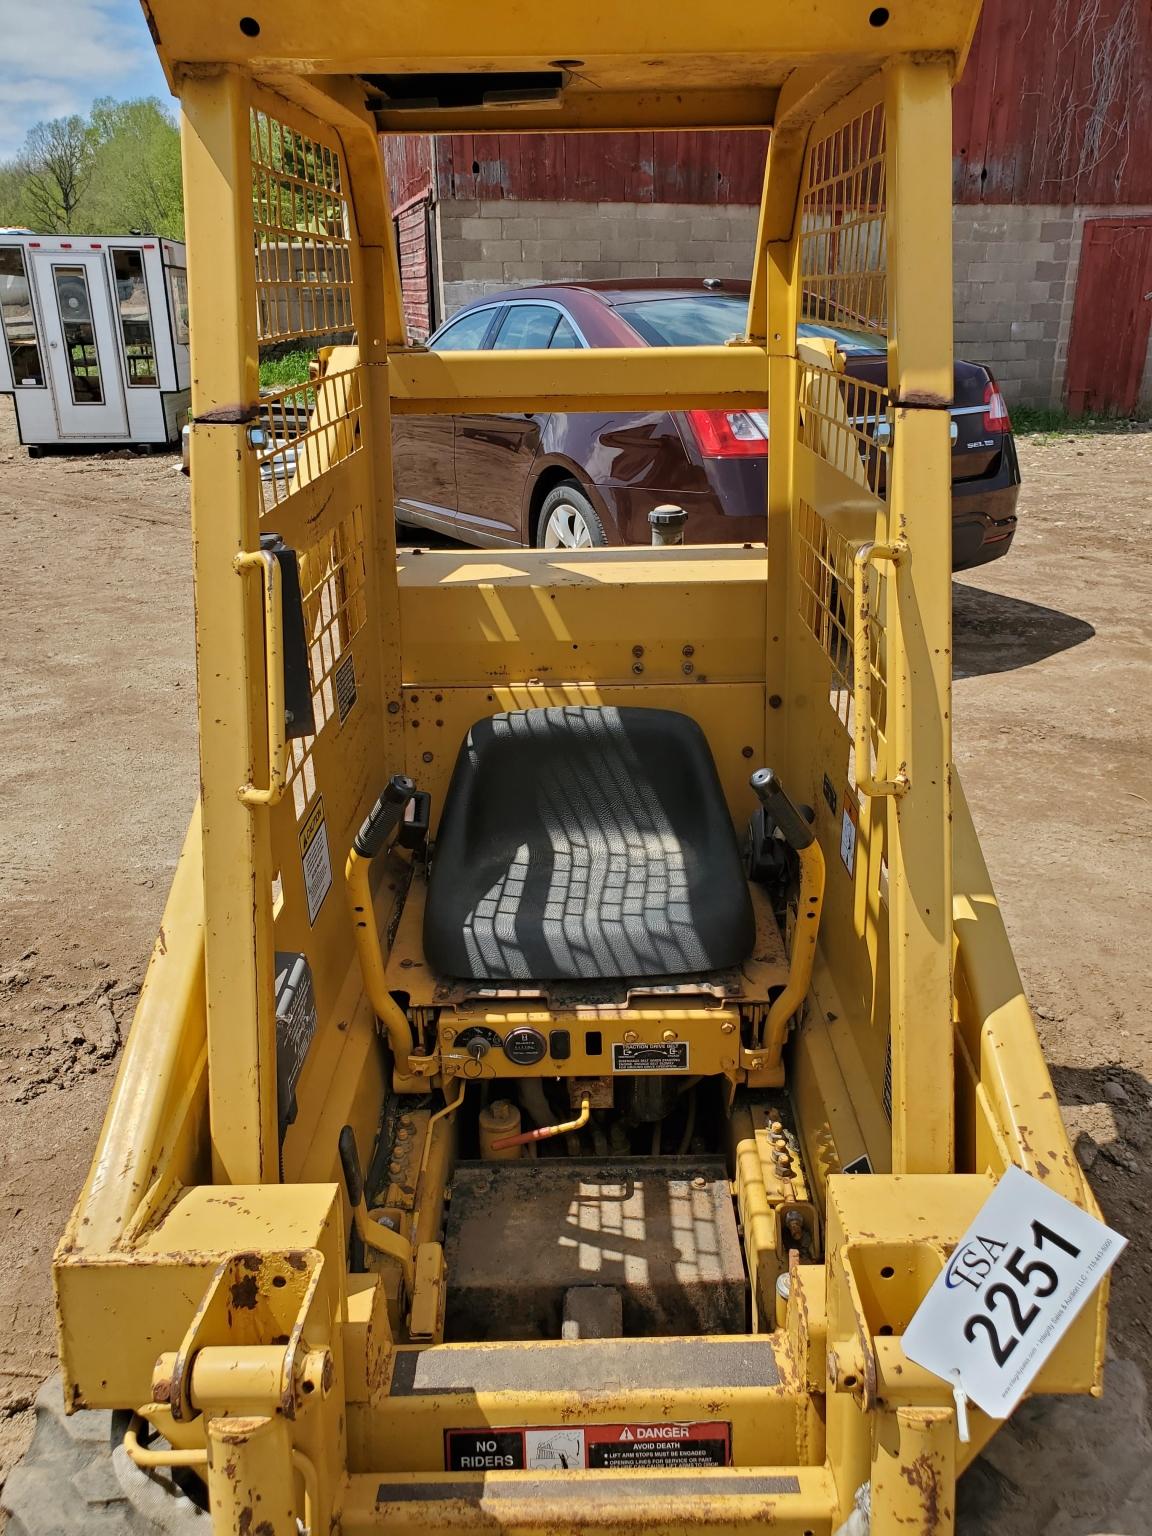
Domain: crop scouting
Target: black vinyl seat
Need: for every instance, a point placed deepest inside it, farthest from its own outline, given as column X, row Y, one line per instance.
column 582, row 843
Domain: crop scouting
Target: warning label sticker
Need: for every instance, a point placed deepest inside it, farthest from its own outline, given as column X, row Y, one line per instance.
column 849, row 826
column 316, row 859
column 609, row 1446
column 487, row 1450
column 346, row 686
column 667, row 1056
column 659, row 1445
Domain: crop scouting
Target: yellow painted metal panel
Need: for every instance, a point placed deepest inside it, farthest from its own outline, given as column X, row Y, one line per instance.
column 231, row 685
column 919, row 622
column 689, row 616
column 614, row 46
column 792, row 1501
column 623, row 379
column 600, row 112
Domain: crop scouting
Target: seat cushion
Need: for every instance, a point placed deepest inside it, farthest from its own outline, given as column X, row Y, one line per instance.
column 584, row 844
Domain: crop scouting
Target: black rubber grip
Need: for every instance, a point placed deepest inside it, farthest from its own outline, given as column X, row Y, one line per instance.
column 350, row 1162
column 384, row 817
column 770, row 792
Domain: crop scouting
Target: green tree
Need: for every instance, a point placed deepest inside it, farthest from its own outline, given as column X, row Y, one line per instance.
column 108, row 174
column 136, row 173
column 56, row 163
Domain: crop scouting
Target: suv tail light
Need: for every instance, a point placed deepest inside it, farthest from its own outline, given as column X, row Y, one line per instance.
column 996, row 418
column 730, row 434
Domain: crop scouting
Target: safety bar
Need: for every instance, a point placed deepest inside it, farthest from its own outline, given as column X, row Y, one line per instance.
column 377, row 827
column 798, row 834
column 866, row 556
column 274, row 670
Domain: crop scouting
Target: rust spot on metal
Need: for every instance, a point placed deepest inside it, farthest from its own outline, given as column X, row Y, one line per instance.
column 924, row 399
column 298, row 1261
column 244, row 1293
column 250, row 1260
column 922, row 1476
column 244, row 1523
column 228, row 415
column 265, row 1528
column 161, row 1390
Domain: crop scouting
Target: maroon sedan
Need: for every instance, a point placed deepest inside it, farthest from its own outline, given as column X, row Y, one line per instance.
column 577, row 479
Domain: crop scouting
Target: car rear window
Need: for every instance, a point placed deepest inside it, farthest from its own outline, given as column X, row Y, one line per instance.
column 709, row 320
column 525, row 326
column 464, row 335
column 694, row 320
column 564, row 336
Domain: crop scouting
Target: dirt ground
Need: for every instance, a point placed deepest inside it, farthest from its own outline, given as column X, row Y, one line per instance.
column 1052, row 722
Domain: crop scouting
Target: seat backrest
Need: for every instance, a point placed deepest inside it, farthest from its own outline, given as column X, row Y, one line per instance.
column 586, row 843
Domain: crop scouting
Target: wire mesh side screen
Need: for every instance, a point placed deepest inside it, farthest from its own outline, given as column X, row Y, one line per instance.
column 843, row 235
column 303, row 233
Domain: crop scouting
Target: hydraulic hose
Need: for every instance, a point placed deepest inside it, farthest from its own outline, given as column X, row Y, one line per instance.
column 546, row 1132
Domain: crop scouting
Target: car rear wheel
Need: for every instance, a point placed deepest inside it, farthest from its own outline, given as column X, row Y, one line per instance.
column 568, row 520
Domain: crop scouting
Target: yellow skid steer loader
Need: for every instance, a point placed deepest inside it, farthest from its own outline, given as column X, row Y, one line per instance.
column 582, row 1082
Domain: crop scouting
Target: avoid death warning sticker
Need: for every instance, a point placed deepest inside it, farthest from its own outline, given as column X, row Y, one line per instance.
column 570, row 1448
column 316, row 860
column 1011, row 1289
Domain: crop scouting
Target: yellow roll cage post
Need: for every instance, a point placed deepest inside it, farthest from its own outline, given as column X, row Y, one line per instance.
column 204, row 1279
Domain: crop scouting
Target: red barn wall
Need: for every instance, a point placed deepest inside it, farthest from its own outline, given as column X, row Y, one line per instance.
column 1055, row 105
column 698, row 168
column 408, row 165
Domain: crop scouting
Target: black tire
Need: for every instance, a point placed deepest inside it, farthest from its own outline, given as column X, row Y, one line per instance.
column 76, row 1480
column 569, row 495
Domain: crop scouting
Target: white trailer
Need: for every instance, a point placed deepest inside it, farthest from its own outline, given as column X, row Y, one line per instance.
column 94, row 338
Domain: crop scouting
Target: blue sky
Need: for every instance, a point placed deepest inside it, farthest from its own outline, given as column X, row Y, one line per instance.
column 56, row 56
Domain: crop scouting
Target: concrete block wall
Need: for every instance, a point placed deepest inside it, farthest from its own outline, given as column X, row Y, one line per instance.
column 1014, row 272
column 1015, row 267
column 485, row 247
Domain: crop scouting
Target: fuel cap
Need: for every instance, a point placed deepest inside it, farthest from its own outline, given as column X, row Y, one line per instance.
column 525, row 1047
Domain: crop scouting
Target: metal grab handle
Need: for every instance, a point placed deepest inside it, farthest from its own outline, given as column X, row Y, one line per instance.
column 866, row 556
column 274, row 670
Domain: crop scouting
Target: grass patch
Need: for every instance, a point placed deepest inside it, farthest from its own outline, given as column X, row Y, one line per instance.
column 281, row 372
column 1034, row 421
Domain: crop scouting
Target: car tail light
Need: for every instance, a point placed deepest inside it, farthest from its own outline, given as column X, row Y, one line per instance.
column 996, row 418
column 730, row 434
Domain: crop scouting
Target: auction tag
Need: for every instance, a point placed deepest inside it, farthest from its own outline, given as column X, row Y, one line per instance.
column 1010, row 1291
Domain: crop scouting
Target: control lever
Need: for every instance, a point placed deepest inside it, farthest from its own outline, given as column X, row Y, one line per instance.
column 770, row 792
column 385, row 816
column 376, row 829
column 802, row 840
column 373, row 1234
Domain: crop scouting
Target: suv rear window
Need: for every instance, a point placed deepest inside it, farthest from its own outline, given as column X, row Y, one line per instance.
column 695, row 320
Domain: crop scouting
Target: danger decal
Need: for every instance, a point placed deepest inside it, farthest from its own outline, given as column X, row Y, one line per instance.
column 606, row 1446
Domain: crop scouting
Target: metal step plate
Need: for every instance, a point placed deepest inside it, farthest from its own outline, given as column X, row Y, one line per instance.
column 663, row 1231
